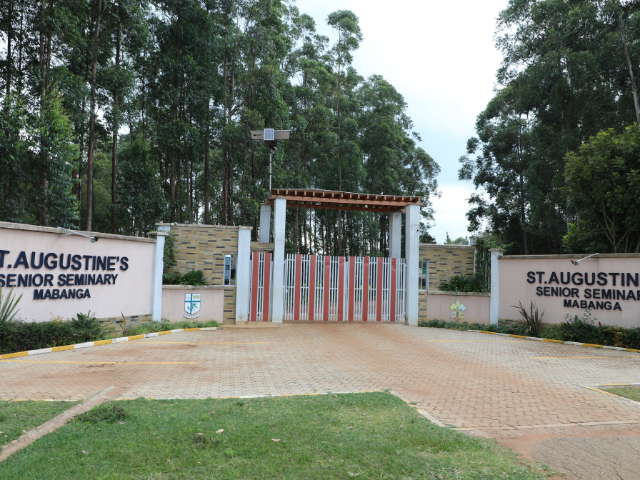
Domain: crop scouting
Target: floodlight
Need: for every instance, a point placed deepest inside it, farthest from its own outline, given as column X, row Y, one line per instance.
column 270, row 137
column 576, row 262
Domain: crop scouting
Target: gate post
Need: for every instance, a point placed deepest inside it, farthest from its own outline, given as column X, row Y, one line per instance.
column 494, row 301
column 279, row 223
column 412, row 254
column 265, row 223
column 395, row 235
column 243, row 271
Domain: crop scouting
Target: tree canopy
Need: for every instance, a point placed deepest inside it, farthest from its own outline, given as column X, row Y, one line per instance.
column 117, row 114
column 569, row 71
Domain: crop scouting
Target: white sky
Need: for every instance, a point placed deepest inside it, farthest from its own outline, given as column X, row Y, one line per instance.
column 441, row 56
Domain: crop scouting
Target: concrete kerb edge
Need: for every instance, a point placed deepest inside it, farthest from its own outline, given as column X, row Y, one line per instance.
column 599, row 388
column 97, row 343
column 551, row 340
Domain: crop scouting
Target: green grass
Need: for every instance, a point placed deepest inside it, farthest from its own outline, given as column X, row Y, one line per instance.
column 150, row 327
column 374, row 435
column 632, row 393
column 18, row 416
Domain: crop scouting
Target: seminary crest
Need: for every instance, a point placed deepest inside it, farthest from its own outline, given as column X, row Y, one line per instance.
column 192, row 304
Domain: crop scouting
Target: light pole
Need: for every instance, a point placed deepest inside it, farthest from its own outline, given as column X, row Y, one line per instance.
column 270, row 137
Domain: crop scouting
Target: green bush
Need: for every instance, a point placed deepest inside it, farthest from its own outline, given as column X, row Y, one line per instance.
column 585, row 330
column 194, row 277
column 531, row 320
column 151, row 327
column 511, row 328
column 460, row 283
column 8, row 307
column 18, row 336
column 574, row 329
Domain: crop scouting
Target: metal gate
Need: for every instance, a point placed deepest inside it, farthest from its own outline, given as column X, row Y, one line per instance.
column 260, row 287
column 337, row 289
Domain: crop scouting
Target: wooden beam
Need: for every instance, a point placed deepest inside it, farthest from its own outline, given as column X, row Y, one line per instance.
column 340, row 207
column 370, row 203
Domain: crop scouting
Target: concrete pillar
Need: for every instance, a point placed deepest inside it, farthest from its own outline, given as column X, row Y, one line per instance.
column 279, row 223
column 156, row 275
column 395, row 235
column 412, row 255
column 265, row 223
column 243, row 272
column 494, row 303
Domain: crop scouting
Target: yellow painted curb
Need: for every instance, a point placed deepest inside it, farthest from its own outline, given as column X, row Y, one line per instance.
column 592, row 345
column 602, row 391
column 552, row 340
column 518, row 336
column 61, row 349
column 633, row 350
column 13, row 355
column 490, row 333
column 97, row 343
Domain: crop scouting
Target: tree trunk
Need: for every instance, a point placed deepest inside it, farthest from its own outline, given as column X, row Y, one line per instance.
column 92, row 120
column 114, row 153
column 631, row 75
column 206, row 171
column 9, row 44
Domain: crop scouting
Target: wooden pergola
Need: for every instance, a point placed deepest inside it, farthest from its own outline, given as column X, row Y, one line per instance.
column 332, row 200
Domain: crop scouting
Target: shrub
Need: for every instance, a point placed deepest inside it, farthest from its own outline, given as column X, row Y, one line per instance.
column 531, row 321
column 511, row 328
column 20, row 336
column 8, row 307
column 194, row 277
column 575, row 329
column 460, row 283
column 150, row 327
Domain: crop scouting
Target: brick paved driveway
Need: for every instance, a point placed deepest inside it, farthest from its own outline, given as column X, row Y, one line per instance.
column 466, row 380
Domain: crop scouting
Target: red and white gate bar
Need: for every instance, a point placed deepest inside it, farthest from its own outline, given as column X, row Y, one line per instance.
column 259, row 307
column 327, row 288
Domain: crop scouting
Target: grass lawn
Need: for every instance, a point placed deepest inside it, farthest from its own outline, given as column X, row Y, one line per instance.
column 373, row 435
column 18, row 416
column 632, row 393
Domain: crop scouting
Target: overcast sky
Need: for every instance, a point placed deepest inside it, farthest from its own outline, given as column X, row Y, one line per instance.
column 441, row 57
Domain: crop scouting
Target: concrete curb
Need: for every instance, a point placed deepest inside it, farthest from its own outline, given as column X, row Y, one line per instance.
column 537, row 339
column 101, row 342
column 60, row 420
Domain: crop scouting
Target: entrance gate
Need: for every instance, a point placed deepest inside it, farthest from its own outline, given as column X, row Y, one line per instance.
column 336, row 289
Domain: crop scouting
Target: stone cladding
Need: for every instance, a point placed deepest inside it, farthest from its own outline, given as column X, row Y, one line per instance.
column 446, row 261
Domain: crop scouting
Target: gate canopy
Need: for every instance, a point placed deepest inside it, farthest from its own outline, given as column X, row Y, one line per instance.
column 332, row 200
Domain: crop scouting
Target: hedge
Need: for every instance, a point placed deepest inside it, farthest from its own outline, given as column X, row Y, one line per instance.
column 18, row 336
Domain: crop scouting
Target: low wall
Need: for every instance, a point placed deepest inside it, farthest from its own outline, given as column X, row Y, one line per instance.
column 476, row 307
column 609, row 286
column 212, row 300
column 62, row 275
